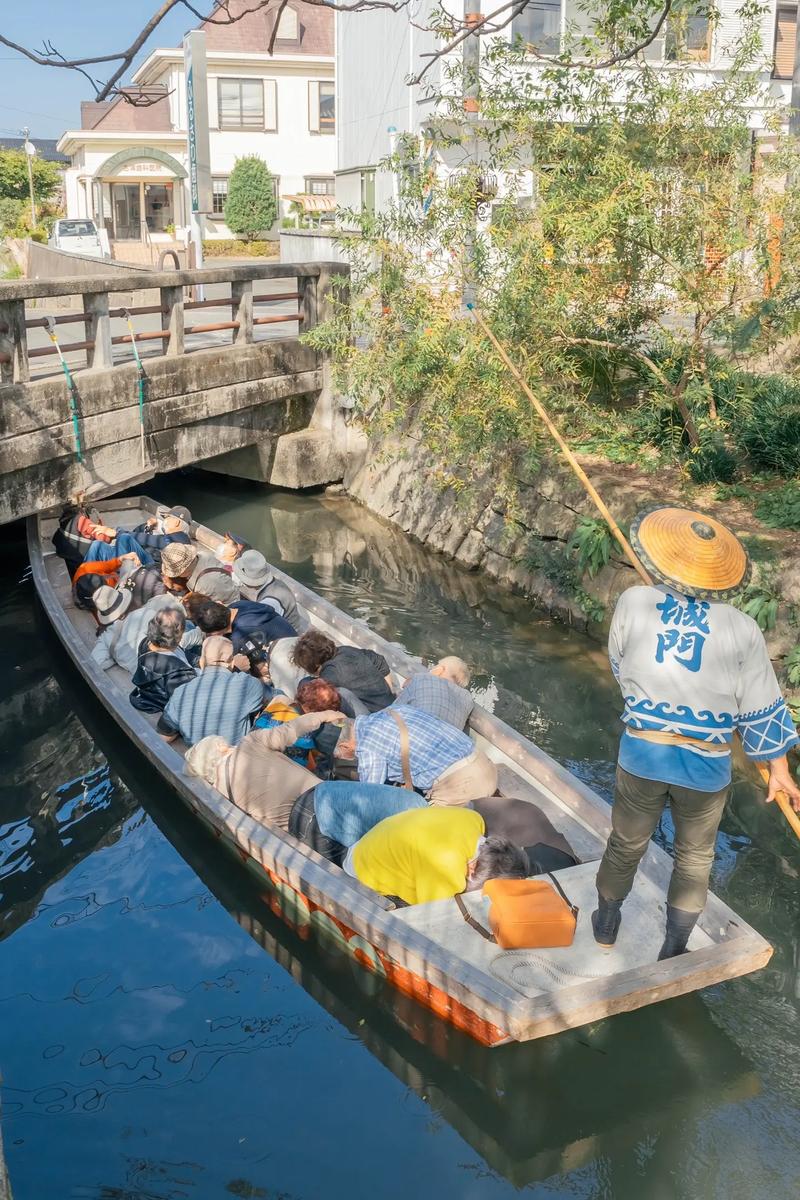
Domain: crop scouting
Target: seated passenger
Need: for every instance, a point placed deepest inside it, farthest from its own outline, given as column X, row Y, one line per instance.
column 363, row 672
column 256, row 775
column 90, row 576
column 524, row 824
column 187, row 569
column 119, row 644
column 162, row 666
column 145, row 583
column 317, row 695
column 332, row 816
column 257, row 581
column 122, row 543
column 155, row 534
column 223, row 699
column 441, row 691
column 432, row 854
column 230, row 548
column 77, row 528
column 284, row 675
column 239, row 621
column 443, row 762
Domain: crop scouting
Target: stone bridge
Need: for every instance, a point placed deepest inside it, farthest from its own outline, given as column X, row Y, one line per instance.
column 236, row 389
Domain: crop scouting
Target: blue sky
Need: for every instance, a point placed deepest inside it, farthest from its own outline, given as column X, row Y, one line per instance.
column 48, row 99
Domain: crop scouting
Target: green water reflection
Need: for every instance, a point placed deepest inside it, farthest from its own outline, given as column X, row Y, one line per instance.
column 151, row 1048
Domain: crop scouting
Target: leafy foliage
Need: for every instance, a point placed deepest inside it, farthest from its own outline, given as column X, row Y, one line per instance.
column 761, row 599
column 14, row 176
column 780, row 508
column 793, row 666
column 588, row 264
column 593, row 541
column 250, row 207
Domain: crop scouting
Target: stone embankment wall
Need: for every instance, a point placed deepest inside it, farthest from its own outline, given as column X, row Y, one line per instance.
column 523, row 542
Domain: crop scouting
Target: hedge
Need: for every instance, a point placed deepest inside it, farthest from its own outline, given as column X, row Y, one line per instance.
column 234, row 247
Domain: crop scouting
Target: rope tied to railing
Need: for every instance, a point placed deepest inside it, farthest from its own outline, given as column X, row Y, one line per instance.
column 72, row 392
column 142, row 379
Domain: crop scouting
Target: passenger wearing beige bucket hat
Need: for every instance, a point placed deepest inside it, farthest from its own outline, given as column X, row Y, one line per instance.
column 110, row 604
column 186, row 569
column 692, row 670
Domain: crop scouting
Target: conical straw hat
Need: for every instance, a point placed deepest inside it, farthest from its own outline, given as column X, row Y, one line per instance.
column 690, row 552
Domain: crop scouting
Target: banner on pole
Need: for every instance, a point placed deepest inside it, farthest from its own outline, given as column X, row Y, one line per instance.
column 194, row 57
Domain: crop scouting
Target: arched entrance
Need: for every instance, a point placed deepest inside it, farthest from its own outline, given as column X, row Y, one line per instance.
column 138, row 194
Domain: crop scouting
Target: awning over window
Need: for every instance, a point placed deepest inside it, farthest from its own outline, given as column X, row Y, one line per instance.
column 313, row 204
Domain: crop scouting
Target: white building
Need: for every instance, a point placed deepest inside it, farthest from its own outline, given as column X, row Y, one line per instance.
column 129, row 164
column 376, row 52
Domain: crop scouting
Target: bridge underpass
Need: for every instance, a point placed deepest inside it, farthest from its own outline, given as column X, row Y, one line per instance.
column 260, row 389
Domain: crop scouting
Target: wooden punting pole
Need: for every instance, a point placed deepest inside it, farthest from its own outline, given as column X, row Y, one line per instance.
column 782, row 800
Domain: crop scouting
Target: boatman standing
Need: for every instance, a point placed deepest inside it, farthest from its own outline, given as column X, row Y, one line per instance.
column 693, row 670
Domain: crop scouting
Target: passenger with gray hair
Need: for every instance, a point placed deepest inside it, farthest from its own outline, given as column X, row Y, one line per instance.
column 162, row 666
column 118, row 644
column 441, row 691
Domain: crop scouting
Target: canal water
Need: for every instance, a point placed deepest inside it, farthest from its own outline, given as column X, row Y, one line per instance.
column 163, row 1037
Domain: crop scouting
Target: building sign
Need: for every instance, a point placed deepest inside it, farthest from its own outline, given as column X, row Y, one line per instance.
column 137, row 169
column 194, row 56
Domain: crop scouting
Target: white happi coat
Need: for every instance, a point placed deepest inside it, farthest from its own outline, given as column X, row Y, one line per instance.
column 697, row 668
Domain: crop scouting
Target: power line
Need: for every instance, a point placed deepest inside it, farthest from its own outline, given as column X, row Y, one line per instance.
column 30, row 113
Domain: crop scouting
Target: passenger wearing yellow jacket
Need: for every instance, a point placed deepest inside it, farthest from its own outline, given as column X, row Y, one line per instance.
column 432, row 854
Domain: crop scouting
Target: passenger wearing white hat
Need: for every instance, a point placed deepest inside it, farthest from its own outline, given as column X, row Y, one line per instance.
column 110, row 604
column 118, row 645
column 257, row 581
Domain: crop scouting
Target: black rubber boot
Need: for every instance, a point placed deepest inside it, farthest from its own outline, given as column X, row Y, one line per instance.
column 679, row 925
column 606, row 920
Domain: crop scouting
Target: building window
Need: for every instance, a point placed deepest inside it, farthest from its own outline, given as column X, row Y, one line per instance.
column 241, row 103
column 219, row 194
column 539, row 25
column 288, row 28
column 688, row 35
column 368, row 192
column 785, row 35
column 320, row 185
column 321, row 107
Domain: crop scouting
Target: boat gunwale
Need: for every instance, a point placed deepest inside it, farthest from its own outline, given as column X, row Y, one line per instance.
column 737, row 948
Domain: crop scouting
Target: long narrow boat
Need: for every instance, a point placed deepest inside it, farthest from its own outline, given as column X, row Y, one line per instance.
column 426, row 951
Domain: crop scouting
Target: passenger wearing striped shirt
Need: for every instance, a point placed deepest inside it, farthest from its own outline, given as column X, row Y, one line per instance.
column 443, row 762
column 441, row 691
column 223, row 699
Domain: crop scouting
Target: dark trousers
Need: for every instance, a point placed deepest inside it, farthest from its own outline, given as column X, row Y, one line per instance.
column 303, row 825
column 637, row 809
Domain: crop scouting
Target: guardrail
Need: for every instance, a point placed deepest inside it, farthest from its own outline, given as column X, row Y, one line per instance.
column 311, row 291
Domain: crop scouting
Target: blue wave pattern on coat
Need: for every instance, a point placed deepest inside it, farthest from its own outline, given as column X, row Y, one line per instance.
column 699, row 669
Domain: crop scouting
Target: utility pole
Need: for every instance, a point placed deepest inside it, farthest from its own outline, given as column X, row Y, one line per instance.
column 30, row 152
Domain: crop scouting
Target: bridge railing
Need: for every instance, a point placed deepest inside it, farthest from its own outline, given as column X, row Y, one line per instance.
column 246, row 298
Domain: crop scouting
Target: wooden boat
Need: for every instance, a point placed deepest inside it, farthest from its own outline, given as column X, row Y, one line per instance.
column 427, row 951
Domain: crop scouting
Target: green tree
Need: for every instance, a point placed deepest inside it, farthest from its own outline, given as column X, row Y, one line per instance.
column 14, row 176
column 614, row 253
column 251, row 207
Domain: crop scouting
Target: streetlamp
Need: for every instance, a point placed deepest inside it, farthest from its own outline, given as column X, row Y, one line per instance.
column 30, row 152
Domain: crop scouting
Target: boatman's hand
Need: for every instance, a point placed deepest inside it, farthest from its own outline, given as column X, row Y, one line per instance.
column 781, row 780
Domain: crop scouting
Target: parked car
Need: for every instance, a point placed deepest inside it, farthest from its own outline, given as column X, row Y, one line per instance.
column 76, row 237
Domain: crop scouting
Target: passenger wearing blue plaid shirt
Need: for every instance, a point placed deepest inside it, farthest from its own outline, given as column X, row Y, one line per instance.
column 445, row 765
column 692, row 671
column 441, row 691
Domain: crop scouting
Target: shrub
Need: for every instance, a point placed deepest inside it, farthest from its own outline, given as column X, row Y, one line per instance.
column 10, row 215
column 250, row 208
column 712, row 462
column 760, row 600
column 593, row 541
column 780, row 508
column 231, row 247
column 770, row 431
column 793, row 667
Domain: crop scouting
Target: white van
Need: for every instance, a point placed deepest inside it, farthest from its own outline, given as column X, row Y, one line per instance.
column 76, row 237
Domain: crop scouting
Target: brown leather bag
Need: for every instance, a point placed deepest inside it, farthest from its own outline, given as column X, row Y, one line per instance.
column 405, row 760
column 526, row 914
